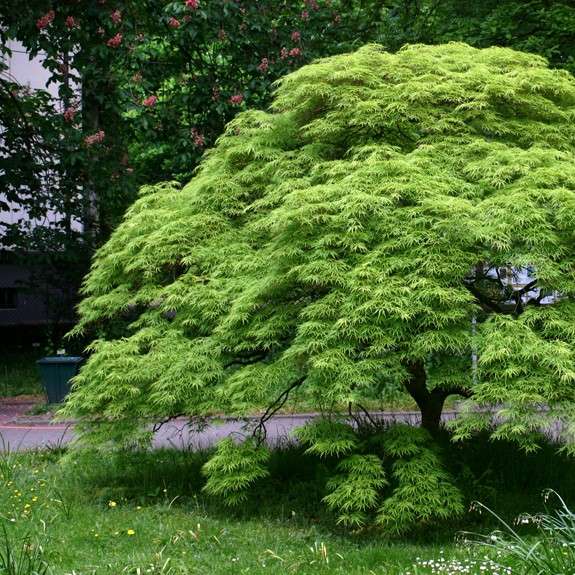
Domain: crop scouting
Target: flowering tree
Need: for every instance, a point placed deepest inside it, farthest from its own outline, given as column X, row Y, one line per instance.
column 159, row 80
column 344, row 243
column 143, row 88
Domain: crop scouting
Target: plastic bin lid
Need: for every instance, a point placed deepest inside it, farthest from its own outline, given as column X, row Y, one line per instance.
column 59, row 359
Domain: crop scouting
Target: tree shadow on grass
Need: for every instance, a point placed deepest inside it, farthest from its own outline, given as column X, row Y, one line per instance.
column 495, row 473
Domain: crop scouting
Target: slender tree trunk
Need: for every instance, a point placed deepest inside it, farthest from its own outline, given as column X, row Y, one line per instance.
column 91, row 122
column 430, row 403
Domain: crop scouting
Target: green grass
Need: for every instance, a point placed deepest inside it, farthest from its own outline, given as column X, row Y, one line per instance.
column 95, row 517
column 145, row 513
column 19, row 374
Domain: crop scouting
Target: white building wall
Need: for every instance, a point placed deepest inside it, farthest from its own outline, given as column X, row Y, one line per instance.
column 32, row 74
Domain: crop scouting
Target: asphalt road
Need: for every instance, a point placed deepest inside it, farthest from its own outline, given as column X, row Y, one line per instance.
column 175, row 434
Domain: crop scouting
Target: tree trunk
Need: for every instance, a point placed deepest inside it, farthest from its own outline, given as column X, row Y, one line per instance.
column 430, row 403
column 91, row 122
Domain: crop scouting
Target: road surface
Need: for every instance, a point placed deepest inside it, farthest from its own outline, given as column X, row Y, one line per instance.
column 176, row 434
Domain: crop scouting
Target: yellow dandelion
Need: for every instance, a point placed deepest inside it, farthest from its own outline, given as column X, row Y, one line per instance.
column 131, row 532
column 112, row 504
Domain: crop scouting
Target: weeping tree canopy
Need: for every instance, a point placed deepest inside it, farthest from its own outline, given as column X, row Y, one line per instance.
column 390, row 218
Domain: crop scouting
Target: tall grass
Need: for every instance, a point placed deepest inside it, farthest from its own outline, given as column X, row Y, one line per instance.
column 550, row 552
column 20, row 556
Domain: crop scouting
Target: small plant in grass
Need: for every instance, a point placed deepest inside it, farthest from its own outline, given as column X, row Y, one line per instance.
column 20, row 556
column 6, row 460
column 551, row 552
column 160, row 565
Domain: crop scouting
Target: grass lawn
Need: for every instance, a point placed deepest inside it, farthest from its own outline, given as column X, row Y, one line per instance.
column 145, row 514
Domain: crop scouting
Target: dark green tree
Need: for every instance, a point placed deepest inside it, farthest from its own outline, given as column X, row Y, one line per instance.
column 543, row 27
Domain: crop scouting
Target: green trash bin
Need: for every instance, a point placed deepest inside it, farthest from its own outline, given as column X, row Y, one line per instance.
column 56, row 372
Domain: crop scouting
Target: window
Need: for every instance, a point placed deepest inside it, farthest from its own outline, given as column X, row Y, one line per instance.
column 8, row 298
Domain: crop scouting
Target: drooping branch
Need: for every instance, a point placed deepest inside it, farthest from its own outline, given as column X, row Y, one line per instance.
column 260, row 430
column 159, row 424
column 367, row 415
column 444, row 393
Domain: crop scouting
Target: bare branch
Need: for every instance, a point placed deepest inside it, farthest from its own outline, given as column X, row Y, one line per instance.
column 260, row 431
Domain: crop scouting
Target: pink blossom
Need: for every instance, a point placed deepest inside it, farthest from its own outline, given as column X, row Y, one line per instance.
column 264, row 65
column 304, row 15
column 115, row 40
column 69, row 114
column 237, row 99
column 45, row 20
column 284, row 53
column 199, row 139
column 296, row 36
column 116, row 16
column 192, row 4
column 312, row 4
column 96, row 138
column 150, row 101
column 295, row 52
column 173, row 23
column 71, row 22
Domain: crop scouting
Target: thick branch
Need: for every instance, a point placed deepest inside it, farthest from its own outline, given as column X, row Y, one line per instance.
column 459, row 390
column 486, row 303
column 248, row 359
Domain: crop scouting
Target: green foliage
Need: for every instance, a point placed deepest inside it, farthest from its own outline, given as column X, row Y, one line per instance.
column 537, row 26
column 233, row 469
column 356, row 489
column 19, row 373
column 345, row 242
column 425, row 491
column 327, row 437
